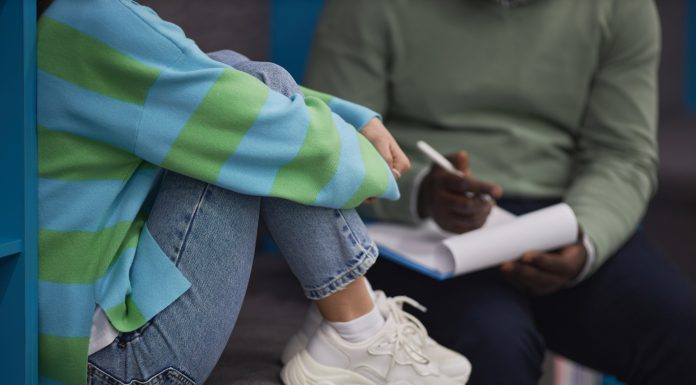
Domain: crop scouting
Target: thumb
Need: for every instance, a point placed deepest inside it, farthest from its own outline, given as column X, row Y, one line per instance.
column 461, row 162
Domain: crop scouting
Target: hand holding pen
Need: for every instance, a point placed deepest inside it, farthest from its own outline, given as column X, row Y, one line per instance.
column 451, row 196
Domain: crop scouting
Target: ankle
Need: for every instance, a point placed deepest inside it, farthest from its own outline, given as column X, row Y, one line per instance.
column 350, row 303
column 362, row 328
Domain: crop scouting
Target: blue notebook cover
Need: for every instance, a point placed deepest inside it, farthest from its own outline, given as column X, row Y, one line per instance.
column 396, row 258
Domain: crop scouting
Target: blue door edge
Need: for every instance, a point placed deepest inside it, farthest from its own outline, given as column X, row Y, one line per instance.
column 690, row 50
column 30, row 253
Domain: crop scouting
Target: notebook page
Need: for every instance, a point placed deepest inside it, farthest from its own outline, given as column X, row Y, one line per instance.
column 544, row 229
column 423, row 244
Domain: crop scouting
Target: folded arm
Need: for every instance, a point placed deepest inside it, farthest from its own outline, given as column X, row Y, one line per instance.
column 167, row 102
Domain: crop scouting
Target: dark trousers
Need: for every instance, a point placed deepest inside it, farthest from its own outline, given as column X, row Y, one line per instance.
column 635, row 318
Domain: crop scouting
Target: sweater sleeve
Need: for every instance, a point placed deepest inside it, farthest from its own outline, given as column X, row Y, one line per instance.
column 617, row 161
column 351, row 58
column 354, row 114
column 280, row 80
column 201, row 118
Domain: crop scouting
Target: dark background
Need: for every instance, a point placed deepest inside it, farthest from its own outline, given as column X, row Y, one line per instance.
column 671, row 219
column 274, row 305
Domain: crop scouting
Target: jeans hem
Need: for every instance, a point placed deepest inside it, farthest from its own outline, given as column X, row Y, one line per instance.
column 367, row 257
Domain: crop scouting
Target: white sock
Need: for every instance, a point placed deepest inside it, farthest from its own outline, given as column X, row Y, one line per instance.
column 361, row 328
column 314, row 318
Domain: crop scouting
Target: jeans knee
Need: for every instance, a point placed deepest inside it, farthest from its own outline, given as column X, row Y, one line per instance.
column 273, row 75
column 229, row 57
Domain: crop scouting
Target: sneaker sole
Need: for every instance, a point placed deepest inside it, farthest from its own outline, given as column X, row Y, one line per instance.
column 296, row 344
column 304, row 370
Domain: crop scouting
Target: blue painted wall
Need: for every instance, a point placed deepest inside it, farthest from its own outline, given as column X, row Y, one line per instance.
column 691, row 54
column 292, row 26
column 18, row 265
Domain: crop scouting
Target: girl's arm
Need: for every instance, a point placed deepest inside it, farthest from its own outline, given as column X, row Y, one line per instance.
column 279, row 80
column 119, row 74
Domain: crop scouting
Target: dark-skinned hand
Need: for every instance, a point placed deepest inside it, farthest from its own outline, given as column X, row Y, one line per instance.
column 546, row 272
column 455, row 202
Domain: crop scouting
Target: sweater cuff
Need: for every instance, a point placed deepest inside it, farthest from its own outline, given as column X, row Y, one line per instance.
column 404, row 210
column 356, row 115
column 589, row 262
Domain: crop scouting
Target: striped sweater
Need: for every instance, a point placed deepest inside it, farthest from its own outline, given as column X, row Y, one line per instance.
column 123, row 95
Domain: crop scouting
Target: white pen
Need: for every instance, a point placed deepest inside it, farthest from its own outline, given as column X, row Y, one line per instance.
column 447, row 165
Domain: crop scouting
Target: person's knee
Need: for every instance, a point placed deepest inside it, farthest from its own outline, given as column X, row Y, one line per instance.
column 496, row 333
column 229, row 57
column 503, row 351
column 515, row 339
column 273, row 75
column 672, row 349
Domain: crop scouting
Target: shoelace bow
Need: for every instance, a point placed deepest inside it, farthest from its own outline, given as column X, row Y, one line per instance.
column 407, row 325
column 396, row 307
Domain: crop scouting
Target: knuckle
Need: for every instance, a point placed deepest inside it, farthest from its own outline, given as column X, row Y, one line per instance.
column 463, row 227
column 440, row 197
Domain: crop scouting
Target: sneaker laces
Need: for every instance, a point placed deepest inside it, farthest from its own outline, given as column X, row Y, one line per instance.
column 396, row 308
column 406, row 326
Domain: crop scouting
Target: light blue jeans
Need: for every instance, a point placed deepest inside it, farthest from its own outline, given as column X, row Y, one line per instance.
column 210, row 233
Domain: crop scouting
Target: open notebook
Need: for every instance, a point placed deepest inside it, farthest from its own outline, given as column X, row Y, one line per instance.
column 504, row 237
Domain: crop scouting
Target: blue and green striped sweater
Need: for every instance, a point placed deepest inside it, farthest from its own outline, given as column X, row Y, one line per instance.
column 123, row 95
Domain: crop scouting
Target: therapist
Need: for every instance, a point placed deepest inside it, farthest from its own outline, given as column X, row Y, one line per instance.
column 553, row 100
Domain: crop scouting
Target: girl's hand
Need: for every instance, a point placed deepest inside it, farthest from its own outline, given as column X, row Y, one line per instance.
column 386, row 145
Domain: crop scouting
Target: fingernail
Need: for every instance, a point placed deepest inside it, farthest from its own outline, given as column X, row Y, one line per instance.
column 396, row 172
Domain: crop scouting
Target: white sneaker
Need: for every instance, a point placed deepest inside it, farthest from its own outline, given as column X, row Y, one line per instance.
column 451, row 363
column 390, row 357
